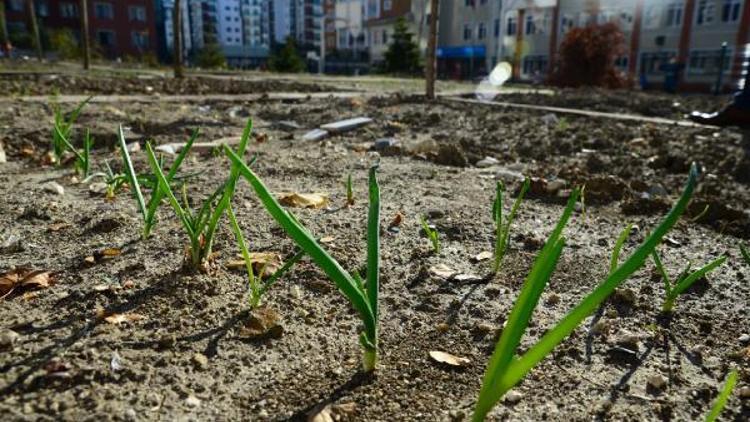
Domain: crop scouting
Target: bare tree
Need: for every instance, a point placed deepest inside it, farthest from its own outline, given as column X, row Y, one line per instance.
column 85, row 40
column 431, row 60
column 179, row 72
column 34, row 29
column 4, row 41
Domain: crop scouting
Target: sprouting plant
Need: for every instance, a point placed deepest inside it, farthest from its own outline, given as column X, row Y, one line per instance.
column 502, row 227
column 148, row 210
column 363, row 297
column 62, row 128
column 431, row 234
column 745, row 254
column 200, row 226
column 684, row 281
column 256, row 286
column 505, row 370
column 349, row 191
column 721, row 401
column 83, row 160
column 615, row 260
column 562, row 125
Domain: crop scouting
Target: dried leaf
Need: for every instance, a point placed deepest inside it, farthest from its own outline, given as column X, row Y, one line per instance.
column 23, row 277
column 448, row 359
column 303, row 200
column 37, row 279
column 110, row 252
column 89, row 260
column 271, row 261
column 442, row 271
column 332, row 412
column 55, row 227
column 264, row 322
column 120, row 318
column 397, row 219
column 327, row 239
column 483, row 256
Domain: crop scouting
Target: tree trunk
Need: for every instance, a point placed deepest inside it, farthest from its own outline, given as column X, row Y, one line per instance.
column 34, row 29
column 85, row 40
column 4, row 42
column 179, row 72
column 431, row 60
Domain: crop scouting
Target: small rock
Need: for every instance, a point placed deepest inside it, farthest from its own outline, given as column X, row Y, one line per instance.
column 434, row 213
column 54, row 187
column 98, row 188
column 550, row 119
column 130, row 414
column 384, row 143
column 513, row 397
column 192, row 401
column 657, row 190
column 625, row 296
column 3, row 158
column 263, row 323
column 442, row 271
column 315, row 135
column 508, row 175
column 482, row 256
column 134, row 147
column 744, row 339
column 200, row 361
column 656, row 383
column 11, row 244
column 553, row 299
column 628, row 341
column 553, row 186
column 466, row 278
column 8, row 339
column 745, row 392
column 487, row 162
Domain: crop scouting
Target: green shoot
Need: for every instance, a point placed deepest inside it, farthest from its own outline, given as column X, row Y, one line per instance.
column 745, row 254
column 683, row 282
column 614, row 262
column 505, row 370
column 148, row 210
column 256, row 286
column 61, row 130
column 349, row 191
column 364, row 299
column 432, row 234
column 721, row 401
column 201, row 226
column 83, row 162
column 502, row 228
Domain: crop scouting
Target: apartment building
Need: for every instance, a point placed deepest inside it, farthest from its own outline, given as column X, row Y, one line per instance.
column 469, row 37
column 117, row 28
column 688, row 33
column 381, row 17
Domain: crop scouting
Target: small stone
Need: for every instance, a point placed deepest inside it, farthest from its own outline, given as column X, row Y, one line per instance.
column 3, row 158
column 466, row 278
column 656, row 383
column 625, row 296
column 553, row 299
column 200, row 361
column 8, row 339
column 264, row 322
column 134, row 147
column 435, row 213
column 54, row 187
column 513, row 397
column 98, row 188
column 192, row 401
column 628, row 341
column 130, row 414
column 744, row 339
column 482, row 256
column 384, row 143
column 554, row 186
column 745, row 392
column 487, row 162
column 657, row 190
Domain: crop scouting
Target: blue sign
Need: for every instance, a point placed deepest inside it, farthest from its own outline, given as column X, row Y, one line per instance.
column 467, row 51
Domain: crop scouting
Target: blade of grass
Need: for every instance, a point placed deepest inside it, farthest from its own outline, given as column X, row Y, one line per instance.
column 252, row 284
column 504, row 228
column 163, row 185
column 745, row 254
column 663, row 272
column 373, row 243
column 130, row 172
column 281, row 271
column 688, row 281
column 614, row 262
column 721, row 401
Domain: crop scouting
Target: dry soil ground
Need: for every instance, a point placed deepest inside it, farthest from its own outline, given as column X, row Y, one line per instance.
column 185, row 359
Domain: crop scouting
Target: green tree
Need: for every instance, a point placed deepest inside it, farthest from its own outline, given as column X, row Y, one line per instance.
column 211, row 56
column 287, row 59
column 64, row 43
column 402, row 55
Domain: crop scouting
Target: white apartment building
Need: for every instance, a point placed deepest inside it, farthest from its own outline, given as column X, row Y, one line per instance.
column 229, row 23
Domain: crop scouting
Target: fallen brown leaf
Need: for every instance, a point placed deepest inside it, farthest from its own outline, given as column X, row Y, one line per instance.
column 23, row 277
column 332, row 412
column 449, row 359
column 270, row 260
column 397, row 219
column 303, row 200
column 110, row 252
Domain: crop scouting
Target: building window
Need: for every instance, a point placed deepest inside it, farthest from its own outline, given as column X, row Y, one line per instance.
column 481, row 31
column 15, row 6
column 510, row 26
column 651, row 63
column 42, row 8
column 387, row 4
column 706, row 13
column 137, row 13
column 385, row 36
column 534, row 65
column 730, row 10
column 530, row 25
column 105, row 38
column 621, row 62
column 104, row 11
column 139, row 39
column 497, row 28
column 707, row 62
column 566, row 24
column 68, row 10
column 674, row 14
column 467, row 32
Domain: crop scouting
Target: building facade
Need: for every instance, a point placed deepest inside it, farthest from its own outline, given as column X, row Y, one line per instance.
column 118, row 28
column 381, row 17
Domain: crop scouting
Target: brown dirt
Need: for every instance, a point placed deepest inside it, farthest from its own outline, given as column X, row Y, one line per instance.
column 186, row 359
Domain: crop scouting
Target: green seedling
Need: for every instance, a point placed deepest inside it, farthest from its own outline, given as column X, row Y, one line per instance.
column 502, row 227
column 745, row 254
column 615, row 260
column 256, row 286
column 721, row 401
column 432, row 234
column 148, row 210
column 683, row 282
column 349, row 191
column 83, row 157
column 62, row 128
column 363, row 297
column 505, row 370
column 200, row 226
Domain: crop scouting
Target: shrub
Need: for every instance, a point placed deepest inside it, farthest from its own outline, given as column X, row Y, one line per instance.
column 64, row 43
column 287, row 59
column 587, row 57
column 211, row 56
column 403, row 53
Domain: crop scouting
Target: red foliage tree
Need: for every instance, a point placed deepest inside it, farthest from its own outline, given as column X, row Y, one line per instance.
column 587, row 57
